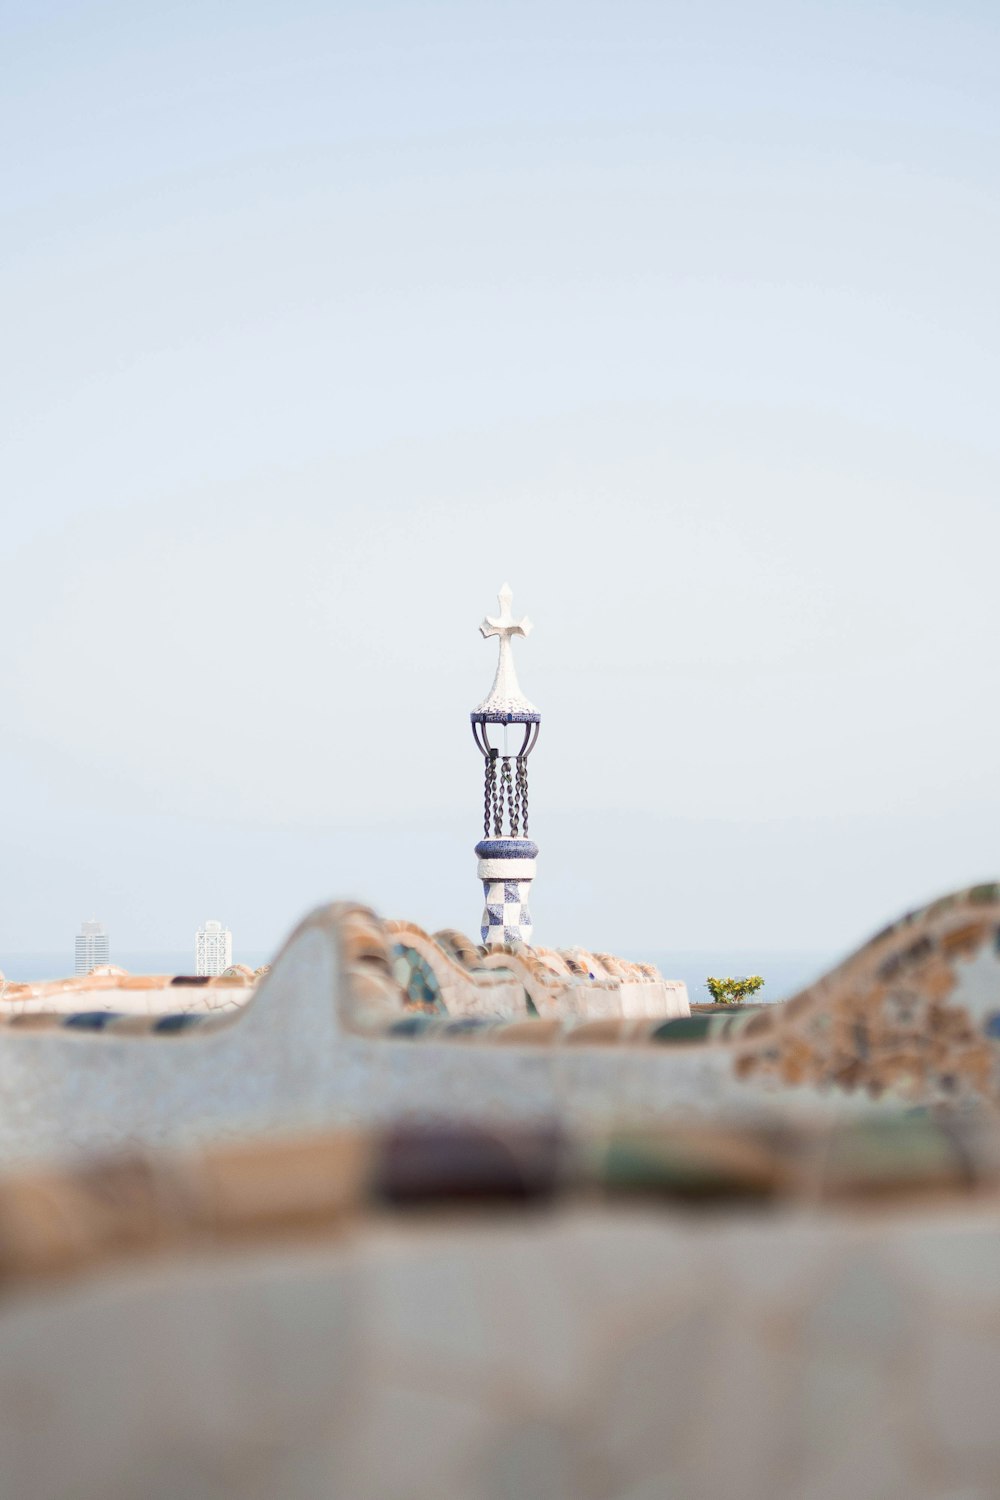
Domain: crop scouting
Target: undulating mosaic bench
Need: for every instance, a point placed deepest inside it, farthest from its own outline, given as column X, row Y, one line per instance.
column 365, row 1022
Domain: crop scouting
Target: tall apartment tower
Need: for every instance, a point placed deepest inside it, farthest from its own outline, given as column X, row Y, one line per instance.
column 213, row 948
column 91, row 947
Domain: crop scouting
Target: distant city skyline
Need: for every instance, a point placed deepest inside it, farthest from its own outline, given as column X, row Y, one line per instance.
column 212, row 949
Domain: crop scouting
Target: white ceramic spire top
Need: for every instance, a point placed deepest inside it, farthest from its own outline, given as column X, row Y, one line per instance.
column 505, row 699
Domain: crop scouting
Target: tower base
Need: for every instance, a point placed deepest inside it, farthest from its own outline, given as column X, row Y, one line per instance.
column 506, row 868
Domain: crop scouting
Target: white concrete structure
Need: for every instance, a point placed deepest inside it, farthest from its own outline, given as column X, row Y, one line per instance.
column 213, row 949
column 92, row 947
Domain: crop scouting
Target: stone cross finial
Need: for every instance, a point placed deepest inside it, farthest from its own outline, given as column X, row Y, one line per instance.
column 505, row 696
column 506, row 625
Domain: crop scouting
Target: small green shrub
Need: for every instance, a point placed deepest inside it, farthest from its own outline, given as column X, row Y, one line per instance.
column 733, row 991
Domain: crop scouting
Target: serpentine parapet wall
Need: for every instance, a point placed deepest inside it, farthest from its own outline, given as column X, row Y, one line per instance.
column 362, row 1022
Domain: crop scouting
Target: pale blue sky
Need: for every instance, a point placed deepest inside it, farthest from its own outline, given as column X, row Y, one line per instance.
column 320, row 321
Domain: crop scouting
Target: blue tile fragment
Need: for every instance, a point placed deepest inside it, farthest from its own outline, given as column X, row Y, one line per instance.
column 410, row 1026
column 167, row 1025
column 91, row 1020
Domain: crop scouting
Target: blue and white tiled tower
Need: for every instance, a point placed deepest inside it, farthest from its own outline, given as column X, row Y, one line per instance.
column 506, row 854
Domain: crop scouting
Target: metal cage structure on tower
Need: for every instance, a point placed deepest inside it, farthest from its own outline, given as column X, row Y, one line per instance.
column 506, row 775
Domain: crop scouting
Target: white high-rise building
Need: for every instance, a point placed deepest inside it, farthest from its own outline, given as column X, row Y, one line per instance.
column 91, row 947
column 213, row 948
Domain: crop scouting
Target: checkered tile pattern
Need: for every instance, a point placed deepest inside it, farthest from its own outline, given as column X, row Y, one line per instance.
column 506, row 918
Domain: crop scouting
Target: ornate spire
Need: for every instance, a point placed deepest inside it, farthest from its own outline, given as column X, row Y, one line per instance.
column 505, row 699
